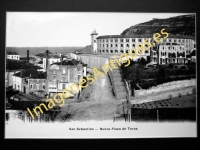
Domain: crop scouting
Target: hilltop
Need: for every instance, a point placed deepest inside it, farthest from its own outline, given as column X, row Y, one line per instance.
column 180, row 25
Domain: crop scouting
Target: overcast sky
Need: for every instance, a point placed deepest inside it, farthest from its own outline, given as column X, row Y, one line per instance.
column 27, row 29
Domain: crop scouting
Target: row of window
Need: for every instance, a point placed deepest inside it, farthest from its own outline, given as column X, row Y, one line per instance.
column 169, row 48
column 121, row 40
column 116, row 51
column 52, row 88
column 140, row 40
column 37, row 80
column 63, row 71
column 121, row 45
column 37, row 86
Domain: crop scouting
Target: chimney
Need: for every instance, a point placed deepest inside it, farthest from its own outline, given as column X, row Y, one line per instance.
column 28, row 56
column 47, row 59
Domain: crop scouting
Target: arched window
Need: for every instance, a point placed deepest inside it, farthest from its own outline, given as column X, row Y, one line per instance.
column 107, row 51
column 111, row 51
column 122, row 51
column 116, row 51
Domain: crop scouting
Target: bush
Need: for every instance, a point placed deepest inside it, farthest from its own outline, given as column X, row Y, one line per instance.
column 194, row 90
column 170, row 96
column 179, row 95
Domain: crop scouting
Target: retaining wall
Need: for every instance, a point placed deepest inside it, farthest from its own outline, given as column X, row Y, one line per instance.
column 166, row 87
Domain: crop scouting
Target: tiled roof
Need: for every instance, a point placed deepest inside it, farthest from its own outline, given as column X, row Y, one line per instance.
column 40, row 75
column 85, row 50
column 12, row 53
column 71, row 62
column 26, row 73
column 141, row 36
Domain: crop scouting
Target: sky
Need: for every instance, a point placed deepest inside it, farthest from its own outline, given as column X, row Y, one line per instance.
column 55, row 29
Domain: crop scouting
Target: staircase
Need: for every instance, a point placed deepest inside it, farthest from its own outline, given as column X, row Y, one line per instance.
column 118, row 83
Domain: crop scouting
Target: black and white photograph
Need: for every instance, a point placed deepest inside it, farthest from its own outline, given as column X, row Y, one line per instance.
column 100, row 75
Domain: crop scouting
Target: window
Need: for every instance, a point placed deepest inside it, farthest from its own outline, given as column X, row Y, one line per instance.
column 121, row 45
column 63, row 71
column 139, row 40
column 116, row 40
column 174, row 41
column 116, row 45
column 122, row 40
column 133, row 40
column 170, row 40
column 127, row 45
column 103, row 45
column 111, row 45
column 107, row 51
column 103, row 40
column 111, row 40
column 63, row 86
column 18, row 87
column 127, row 40
column 122, row 51
column 54, row 78
column 37, row 86
column 179, row 40
column 111, row 51
column 31, row 86
column 43, row 86
column 107, row 40
column 133, row 45
column 107, row 45
column 54, row 71
column 94, row 41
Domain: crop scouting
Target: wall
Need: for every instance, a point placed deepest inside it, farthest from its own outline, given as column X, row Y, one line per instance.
column 91, row 60
column 165, row 87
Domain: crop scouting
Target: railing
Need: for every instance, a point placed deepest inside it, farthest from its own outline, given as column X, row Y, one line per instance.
column 112, row 83
column 125, row 82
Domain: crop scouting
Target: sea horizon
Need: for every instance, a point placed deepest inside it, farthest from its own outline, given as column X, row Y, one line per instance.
column 22, row 51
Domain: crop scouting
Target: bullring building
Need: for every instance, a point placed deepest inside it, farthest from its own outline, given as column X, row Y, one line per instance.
column 174, row 49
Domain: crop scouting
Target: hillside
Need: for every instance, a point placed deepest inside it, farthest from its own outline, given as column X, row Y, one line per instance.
column 180, row 25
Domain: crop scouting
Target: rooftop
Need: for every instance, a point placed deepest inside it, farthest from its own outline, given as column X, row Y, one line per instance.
column 12, row 53
column 70, row 62
column 40, row 75
column 141, row 36
column 26, row 73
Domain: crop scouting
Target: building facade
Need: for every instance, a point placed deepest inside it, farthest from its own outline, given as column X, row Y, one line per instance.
column 62, row 75
column 173, row 49
column 13, row 55
column 52, row 59
column 36, row 85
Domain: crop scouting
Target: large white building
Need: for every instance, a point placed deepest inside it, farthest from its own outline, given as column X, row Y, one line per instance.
column 13, row 55
column 173, row 49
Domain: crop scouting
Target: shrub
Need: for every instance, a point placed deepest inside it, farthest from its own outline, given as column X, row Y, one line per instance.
column 170, row 96
column 194, row 90
column 179, row 95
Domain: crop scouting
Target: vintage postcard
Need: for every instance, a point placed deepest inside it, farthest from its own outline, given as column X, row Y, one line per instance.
column 100, row 75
